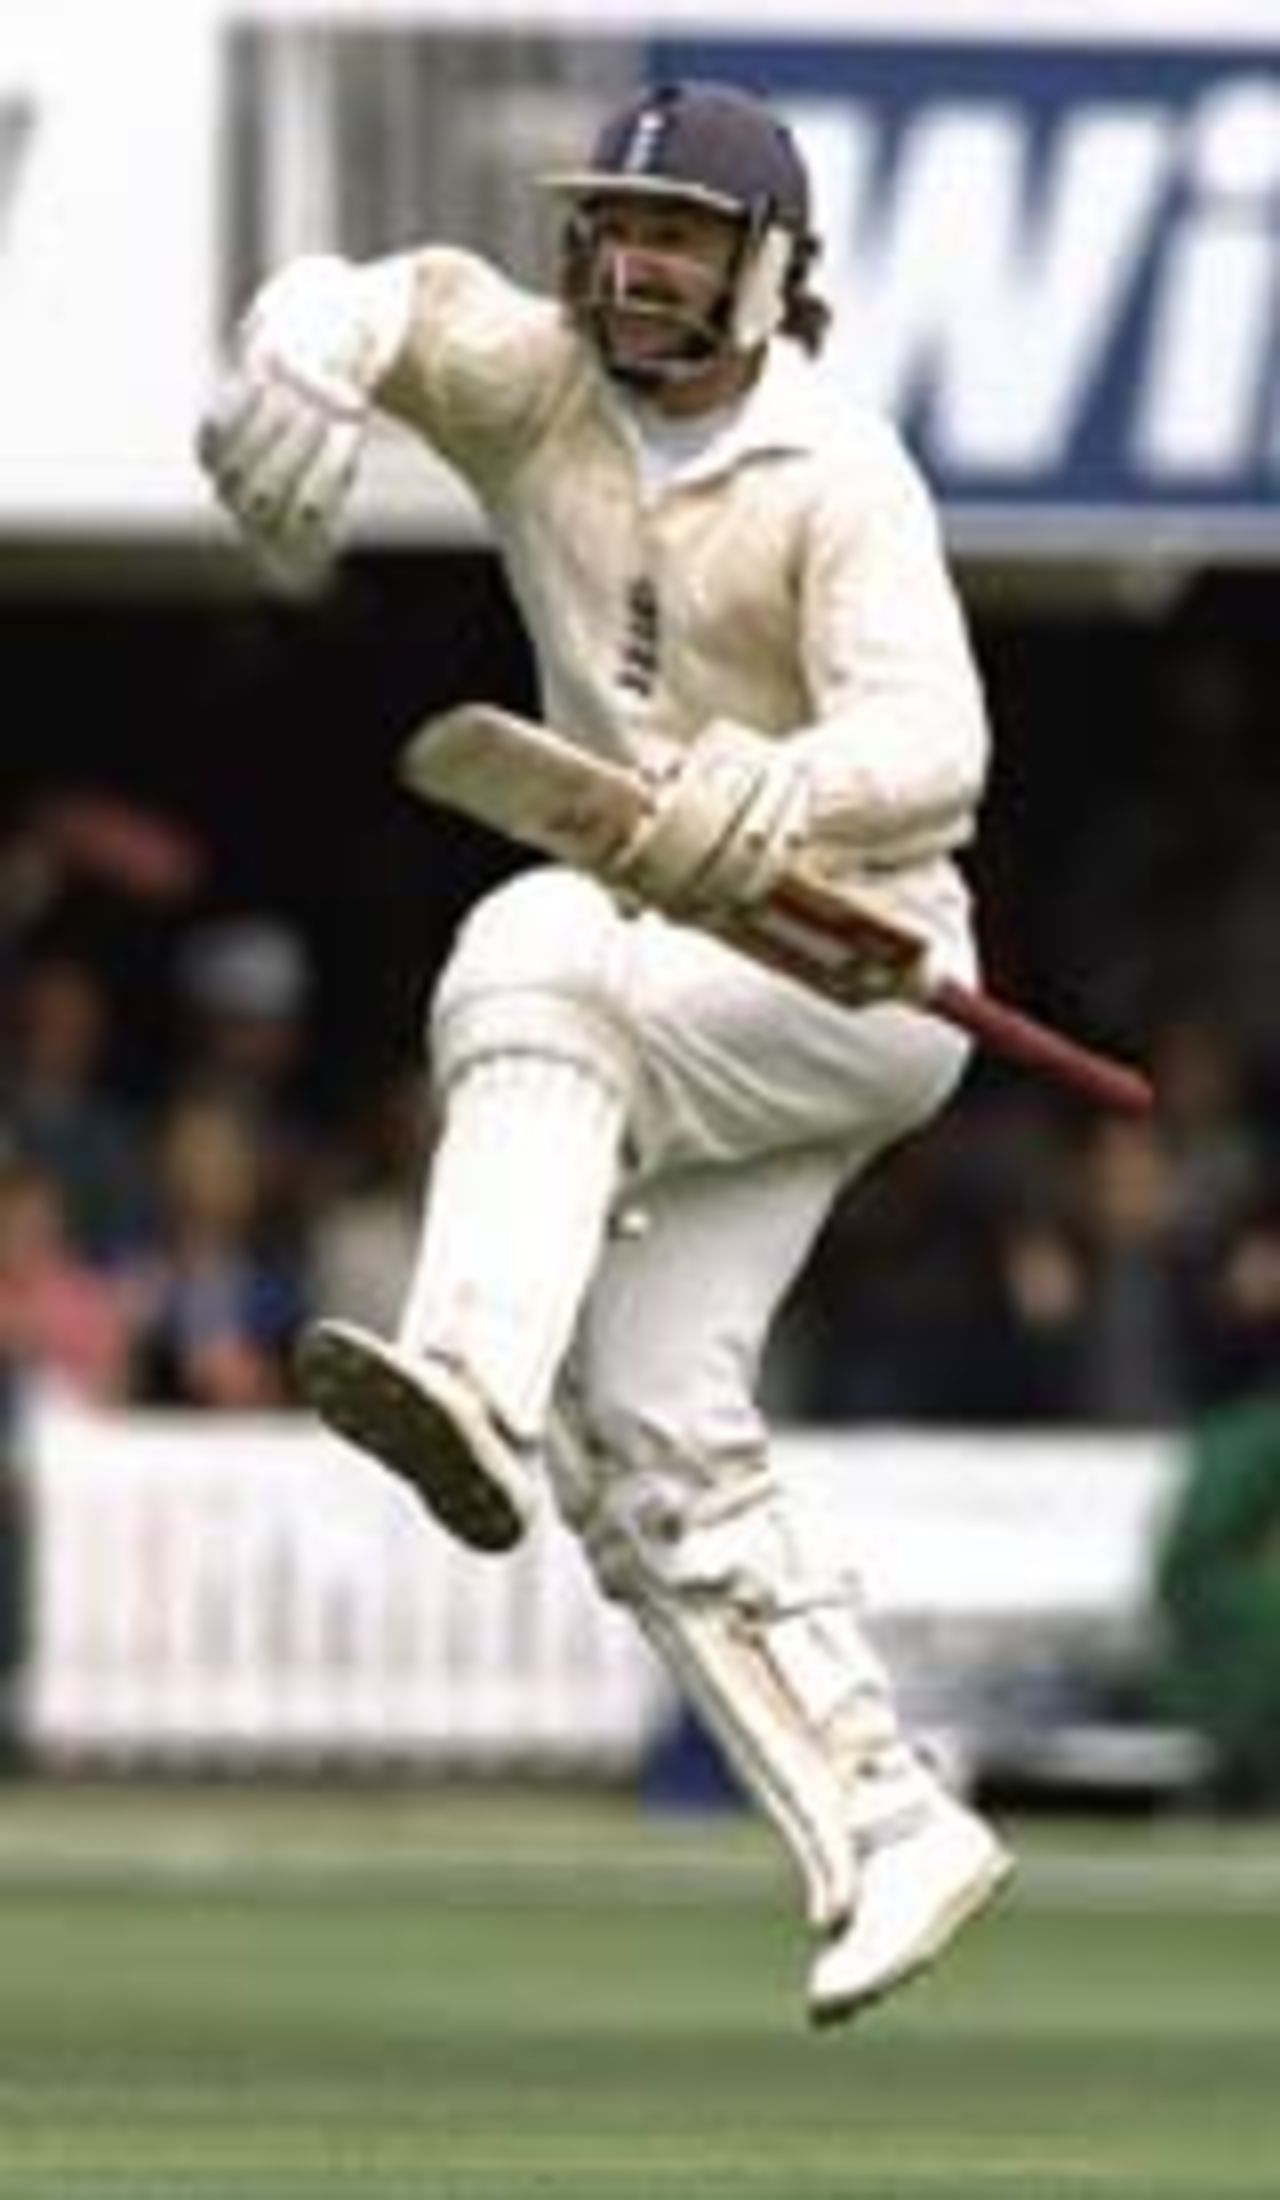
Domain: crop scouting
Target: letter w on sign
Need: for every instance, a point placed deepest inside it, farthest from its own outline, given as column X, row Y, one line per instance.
column 527, row 782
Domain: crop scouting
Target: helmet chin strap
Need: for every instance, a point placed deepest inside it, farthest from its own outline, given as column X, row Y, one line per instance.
column 698, row 336
column 663, row 371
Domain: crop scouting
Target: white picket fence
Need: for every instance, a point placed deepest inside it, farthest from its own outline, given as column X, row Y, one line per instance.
column 240, row 1592
column 205, row 1591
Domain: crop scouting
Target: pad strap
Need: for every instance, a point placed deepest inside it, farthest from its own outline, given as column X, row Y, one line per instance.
column 771, row 1657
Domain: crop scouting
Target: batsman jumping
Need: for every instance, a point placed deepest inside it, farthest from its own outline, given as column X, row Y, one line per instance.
column 764, row 731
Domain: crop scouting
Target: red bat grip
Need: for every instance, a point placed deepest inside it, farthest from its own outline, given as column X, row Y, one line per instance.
column 1004, row 1030
column 1021, row 1038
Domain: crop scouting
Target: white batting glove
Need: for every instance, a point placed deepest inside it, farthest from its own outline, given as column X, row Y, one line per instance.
column 282, row 439
column 723, row 829
column 282, row 457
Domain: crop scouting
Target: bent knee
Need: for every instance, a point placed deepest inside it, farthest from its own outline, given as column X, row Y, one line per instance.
column 546, row 928
column 540, row 965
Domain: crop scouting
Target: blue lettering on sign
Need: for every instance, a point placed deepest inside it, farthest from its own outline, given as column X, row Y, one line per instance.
column 1059, row 267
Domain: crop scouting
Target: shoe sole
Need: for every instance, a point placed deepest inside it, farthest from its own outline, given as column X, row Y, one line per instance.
column 966, row 1903
column 373, row 1406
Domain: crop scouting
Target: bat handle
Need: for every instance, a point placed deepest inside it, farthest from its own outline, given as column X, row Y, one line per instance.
column 1023, row 1039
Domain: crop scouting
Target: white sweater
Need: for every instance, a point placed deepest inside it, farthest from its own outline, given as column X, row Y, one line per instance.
column 788, row 575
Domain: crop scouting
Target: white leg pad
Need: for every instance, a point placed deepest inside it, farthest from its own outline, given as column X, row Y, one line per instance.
column 725, row 1669
column 536, row 1074
column 516, row 1210
column 770, row 1654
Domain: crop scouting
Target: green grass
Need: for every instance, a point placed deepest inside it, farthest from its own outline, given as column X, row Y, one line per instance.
column 266, row 1997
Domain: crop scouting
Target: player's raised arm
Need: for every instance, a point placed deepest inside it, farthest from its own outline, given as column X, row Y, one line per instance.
column 461, row 355
column 282, row 438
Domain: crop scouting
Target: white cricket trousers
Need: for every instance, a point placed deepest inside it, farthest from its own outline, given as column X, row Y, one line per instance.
column 749, row 1103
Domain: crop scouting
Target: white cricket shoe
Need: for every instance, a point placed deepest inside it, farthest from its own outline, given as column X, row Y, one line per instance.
column 918, row 1887
column 424, row 1419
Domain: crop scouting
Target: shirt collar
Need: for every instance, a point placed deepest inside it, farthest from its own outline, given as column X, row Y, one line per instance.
column 779, row 414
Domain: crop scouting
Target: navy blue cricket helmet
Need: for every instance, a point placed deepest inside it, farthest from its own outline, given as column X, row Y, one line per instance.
column 716, row 147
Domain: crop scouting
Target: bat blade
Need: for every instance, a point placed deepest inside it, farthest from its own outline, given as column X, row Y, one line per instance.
column 514, row 775
column 525, row 781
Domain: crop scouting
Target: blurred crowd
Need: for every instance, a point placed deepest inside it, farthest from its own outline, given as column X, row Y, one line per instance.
column 1028, row 1260
column 1030, row 1264
column 164, row 1249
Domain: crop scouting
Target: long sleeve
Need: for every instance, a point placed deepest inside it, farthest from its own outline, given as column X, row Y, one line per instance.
column 483, row 364
column 899, row 744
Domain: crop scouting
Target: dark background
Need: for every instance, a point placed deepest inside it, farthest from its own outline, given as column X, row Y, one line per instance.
column 272, row 730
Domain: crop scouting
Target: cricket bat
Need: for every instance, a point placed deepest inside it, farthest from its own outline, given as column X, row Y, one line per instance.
column 520, row 778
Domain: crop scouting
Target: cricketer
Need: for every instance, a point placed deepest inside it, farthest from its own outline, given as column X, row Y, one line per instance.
column 734, row 582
